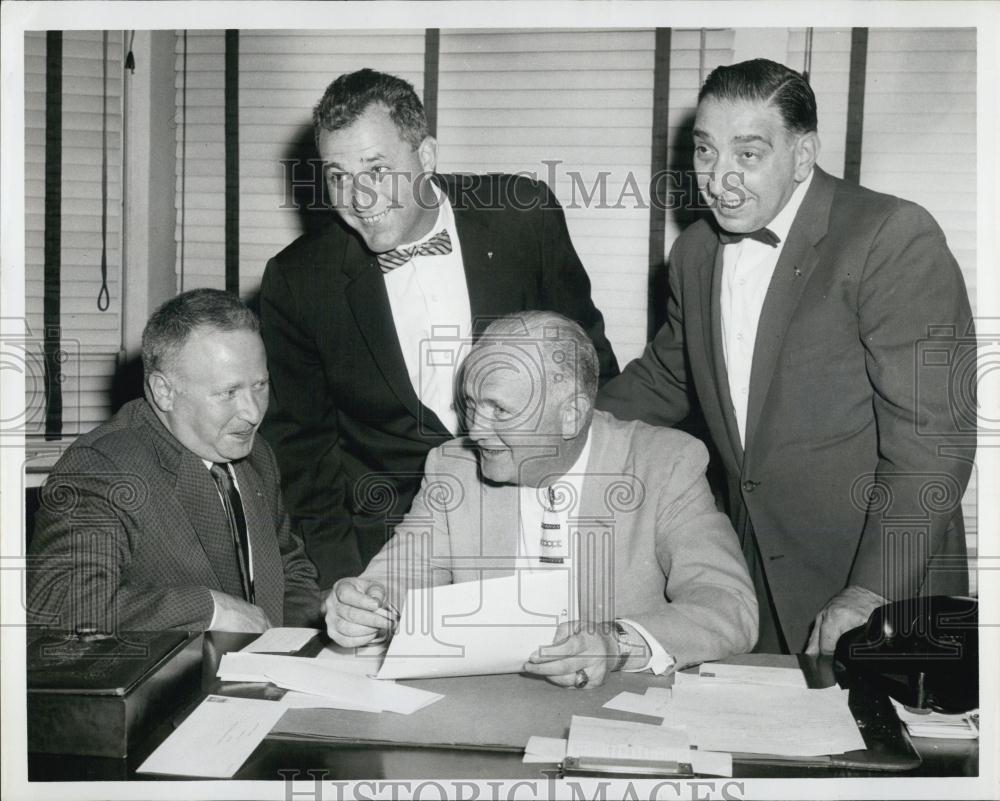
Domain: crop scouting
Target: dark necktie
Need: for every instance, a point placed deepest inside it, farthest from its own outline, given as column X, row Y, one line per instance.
column 437, row 245
column 237, row 525
column 764, row 235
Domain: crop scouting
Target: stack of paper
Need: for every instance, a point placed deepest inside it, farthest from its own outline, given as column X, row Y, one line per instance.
column 764, row 719
column 337, row 688
column 749, row 674
column 280, row 640
column 622, row 741
column 925, row 723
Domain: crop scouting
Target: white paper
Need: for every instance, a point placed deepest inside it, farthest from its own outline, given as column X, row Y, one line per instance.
column 477, row 627
column 640, row 704
column 754, row 674
column 761, row 719
column 323, row 678
column 926, row 723
column 280, row 640
column 621, row 739
column 359, row 661
column 297, row 700
column 544, row 749
column 215, row 739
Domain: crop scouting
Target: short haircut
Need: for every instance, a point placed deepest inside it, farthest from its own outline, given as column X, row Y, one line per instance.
column 350, row 95
column 560, row 341
column 763, row 81
column 173, row 322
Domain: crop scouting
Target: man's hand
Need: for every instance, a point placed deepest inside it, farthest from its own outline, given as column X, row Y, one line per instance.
column 575, row 648
column 235, row 614
column 848, row 609
column 357, row 614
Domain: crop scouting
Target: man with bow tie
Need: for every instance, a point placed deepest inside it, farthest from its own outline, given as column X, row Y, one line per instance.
column 796, row 318
column 364, row 321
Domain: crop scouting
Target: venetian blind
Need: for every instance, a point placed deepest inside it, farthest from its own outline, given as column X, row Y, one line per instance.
column 572, row 108
column 282, row 74
column 91, row 129
column 920, row 142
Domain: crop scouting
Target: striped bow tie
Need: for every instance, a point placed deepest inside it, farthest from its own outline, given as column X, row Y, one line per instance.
column 763, row 235
column 437, row 245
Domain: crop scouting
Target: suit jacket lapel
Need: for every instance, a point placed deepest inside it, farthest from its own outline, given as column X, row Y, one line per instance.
column 268, row 572
column 795, row 265
column 198, row 497
column 713, row 321
column 369, row 302
column 607, row 485
column 493, row 281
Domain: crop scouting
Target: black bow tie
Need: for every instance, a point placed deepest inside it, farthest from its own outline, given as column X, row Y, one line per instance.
column 764, row 235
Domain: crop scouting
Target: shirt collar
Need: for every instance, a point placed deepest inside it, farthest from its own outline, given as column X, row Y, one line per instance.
column 782, row 223
column 445, row 220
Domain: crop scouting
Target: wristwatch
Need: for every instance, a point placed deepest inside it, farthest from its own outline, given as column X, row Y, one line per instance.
column 624, row 645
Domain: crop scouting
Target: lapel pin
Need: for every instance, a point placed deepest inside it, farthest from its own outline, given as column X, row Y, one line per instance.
column 489, row 254
column 798, row 272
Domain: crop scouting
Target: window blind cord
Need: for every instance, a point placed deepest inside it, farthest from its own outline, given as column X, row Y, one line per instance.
column 808, row 55
column 183, row 220
column 104, row 297
column 128, row 70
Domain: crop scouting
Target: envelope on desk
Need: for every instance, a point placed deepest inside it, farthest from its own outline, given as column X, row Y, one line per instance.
column 477, row 627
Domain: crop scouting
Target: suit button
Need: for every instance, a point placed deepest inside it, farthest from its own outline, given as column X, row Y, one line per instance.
column 750, row 486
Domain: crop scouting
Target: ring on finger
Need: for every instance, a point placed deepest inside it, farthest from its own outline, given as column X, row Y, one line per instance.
column 581, row 680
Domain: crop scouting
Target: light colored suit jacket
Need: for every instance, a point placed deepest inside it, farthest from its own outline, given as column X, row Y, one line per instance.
column 132, row 535
column 652, row 547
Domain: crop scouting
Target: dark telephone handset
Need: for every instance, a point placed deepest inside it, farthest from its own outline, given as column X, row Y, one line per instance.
column 922, row 651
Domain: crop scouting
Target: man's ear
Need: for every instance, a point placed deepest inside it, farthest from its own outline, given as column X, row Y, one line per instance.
column 806, row 153
column 161, row 391
column 428, row 154
column 574, row 415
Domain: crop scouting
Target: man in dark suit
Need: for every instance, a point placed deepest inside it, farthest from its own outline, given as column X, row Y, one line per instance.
column 802, row 342
column 170, row 514
column 367, row 322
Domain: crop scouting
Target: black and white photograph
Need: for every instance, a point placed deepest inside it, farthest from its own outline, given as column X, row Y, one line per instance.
column 500, row 401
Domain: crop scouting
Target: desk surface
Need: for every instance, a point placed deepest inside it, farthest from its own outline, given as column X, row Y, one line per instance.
column 359, row 750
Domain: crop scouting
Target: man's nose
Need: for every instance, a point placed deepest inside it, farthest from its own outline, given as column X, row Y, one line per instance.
column 363, row 191
column 252, row 406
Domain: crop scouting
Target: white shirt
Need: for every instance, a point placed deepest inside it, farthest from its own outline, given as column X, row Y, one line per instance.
column 568, row 489
column 747, row 269
column 429, row 299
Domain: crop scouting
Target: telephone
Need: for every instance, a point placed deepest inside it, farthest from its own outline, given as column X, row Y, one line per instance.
column 922, row 651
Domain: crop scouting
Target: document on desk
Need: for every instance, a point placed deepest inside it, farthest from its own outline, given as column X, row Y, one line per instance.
column 654, row 705
column 363, row 661
column 611, row 740
column 477, row 627
column 762, row 719
column 280, row 640
column 753, row 674
column 216, row 739
column 321, row 678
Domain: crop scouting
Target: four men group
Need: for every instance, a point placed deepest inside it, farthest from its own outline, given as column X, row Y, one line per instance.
column 443, row 326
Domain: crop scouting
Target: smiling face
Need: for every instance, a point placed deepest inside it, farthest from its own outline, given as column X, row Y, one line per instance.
column 525, row 428
column 213, row 394
column 379, row 184
column 748, row 164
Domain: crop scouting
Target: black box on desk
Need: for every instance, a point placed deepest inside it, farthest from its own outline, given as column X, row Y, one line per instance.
column 98, row 695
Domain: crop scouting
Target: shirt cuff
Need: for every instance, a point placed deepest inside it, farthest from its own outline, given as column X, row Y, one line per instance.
column 659, row 660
